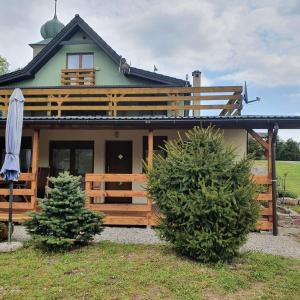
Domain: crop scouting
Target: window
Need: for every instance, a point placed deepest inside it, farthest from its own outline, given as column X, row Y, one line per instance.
column 77, row 157
column 80, row 61
column 158, row 145
column 25, row 153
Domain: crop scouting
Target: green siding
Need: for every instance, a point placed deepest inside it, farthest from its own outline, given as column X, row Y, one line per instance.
column 108, row 73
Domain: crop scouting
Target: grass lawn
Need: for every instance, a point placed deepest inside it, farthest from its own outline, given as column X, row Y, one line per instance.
column 290, row 167
column 114, row 271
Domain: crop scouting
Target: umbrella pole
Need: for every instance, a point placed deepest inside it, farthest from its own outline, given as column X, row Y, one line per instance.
column 11, row 197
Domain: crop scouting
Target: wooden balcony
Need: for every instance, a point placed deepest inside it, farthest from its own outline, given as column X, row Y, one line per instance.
column 118, row 101
column 78, row 77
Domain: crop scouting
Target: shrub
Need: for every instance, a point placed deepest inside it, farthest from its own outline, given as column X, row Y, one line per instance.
column 63, row 221
column 3, row 232
column 206, row 196
column 288, row 194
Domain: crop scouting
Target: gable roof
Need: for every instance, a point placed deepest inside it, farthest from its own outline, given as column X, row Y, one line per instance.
column 55, row 45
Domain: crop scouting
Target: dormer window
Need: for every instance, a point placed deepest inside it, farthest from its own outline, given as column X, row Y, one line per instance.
column 80, row 61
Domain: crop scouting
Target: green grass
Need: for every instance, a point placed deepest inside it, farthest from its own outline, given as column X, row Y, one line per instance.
column 292, row 168
column 114, row 271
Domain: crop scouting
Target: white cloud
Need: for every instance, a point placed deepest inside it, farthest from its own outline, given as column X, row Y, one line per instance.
column 257, row 41
column 286, row 134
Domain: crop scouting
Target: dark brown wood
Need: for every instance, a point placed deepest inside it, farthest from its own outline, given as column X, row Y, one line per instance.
column 118, row 160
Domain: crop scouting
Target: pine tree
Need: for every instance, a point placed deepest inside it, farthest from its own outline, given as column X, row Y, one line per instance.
column 63, row 221
column 205, row 194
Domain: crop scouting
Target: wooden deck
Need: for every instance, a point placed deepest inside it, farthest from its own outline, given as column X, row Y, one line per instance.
column 170, row 101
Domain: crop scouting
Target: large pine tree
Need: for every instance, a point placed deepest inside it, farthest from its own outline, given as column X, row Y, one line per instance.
column 63, row 221
column 205, row 194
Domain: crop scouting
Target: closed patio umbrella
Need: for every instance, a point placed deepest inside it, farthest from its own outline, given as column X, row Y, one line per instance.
column 13, row 134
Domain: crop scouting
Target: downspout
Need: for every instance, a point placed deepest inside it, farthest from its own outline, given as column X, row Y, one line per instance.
column 274, row 181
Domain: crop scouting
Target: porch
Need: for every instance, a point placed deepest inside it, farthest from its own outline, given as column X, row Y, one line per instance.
column 113, row 180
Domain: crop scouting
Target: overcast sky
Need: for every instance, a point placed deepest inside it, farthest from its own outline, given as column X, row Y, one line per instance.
column 228, row 40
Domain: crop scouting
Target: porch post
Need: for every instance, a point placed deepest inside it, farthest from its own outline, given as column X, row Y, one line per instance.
column 150, row 165
column 270, row 170
column 34, row 166
column 150, row 148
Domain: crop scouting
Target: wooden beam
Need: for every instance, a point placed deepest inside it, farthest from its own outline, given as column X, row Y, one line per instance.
column 34, row 164
column 17, row 205
column 117, row 193
column 120, row 207
column 264, row 225
column 142, row 90
column 150, row 148
column 264, row 197
column 262, row 179
column 115, row 177
column 258, row 139
column 18, row 192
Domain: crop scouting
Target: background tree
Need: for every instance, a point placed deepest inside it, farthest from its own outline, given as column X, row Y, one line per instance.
column 285, row 150
column 291, row 150
column 255, row 149
column 205, row 194
column 4, row 65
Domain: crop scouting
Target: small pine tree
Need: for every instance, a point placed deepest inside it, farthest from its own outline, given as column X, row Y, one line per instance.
column 205, row 194
column 63, row 221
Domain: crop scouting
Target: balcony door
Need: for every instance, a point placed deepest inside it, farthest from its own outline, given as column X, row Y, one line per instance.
column 77, row 157
column 118, row 161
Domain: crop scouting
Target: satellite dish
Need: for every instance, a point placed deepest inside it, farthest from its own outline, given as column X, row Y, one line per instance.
column 247, row 101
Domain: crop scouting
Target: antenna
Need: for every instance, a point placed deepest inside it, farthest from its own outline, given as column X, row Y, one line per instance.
column 247, row 101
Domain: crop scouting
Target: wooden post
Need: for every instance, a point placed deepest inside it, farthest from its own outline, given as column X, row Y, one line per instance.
column 270, row 167
column 196, row 83
column 150, row 148
column 88, row 187
column 34, row 165
column 150, row 165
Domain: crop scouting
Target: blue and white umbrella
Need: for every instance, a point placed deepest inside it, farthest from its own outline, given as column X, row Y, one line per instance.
column 13, row 135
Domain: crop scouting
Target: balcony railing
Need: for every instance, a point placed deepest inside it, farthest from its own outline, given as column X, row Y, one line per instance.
column 78, row 77
column 118, row 101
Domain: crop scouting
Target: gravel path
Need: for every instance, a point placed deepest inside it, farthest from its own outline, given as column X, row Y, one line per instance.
column 284, row 244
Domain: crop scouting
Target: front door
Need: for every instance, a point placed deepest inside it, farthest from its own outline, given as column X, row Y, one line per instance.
column 118, row 161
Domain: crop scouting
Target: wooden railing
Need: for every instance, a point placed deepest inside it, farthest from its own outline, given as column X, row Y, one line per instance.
column 265, row 199
column 24, row 188
column 78, row 77
column 170, row 101
column 120, row 214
